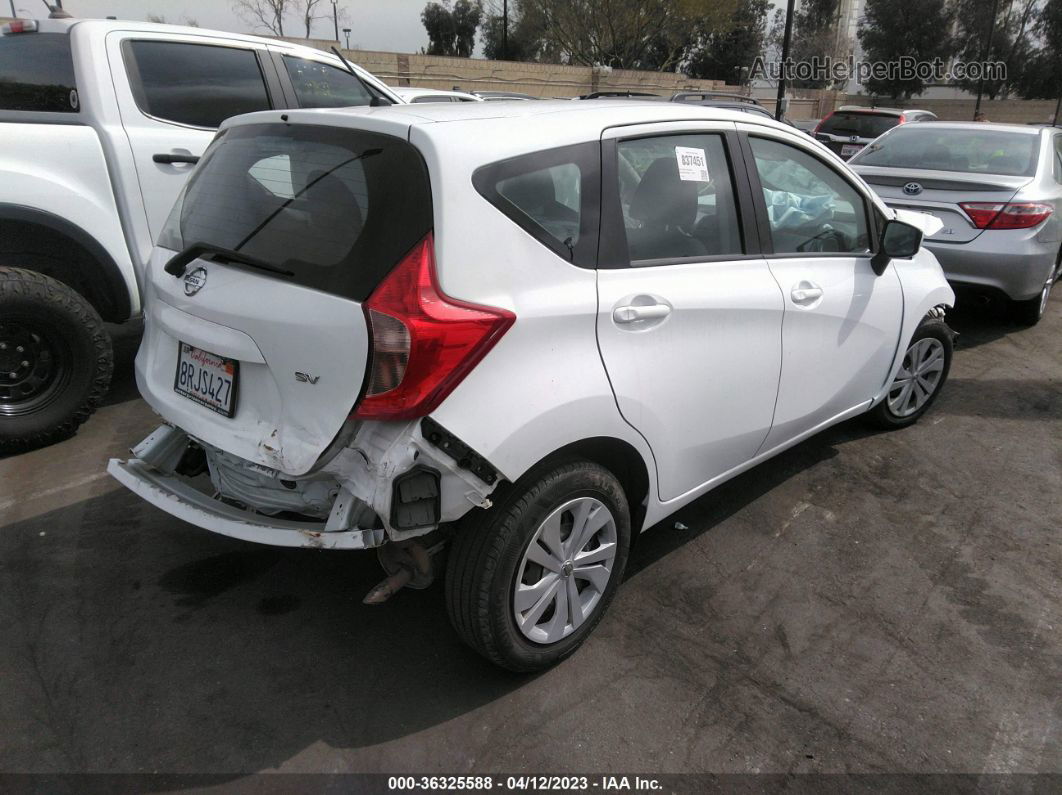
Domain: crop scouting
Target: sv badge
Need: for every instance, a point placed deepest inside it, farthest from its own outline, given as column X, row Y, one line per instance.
column 306, row 378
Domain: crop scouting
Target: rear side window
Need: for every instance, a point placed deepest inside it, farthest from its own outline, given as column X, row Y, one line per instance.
column 677, row 198
column 195, row 84
column 861, row 125
column 552, row 195
column 37, row 73
column 318, row 85
column 336, row 207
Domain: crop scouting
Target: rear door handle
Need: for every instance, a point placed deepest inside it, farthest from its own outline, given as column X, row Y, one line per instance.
column 633, row 313
column 806, row 293
column 169, row 158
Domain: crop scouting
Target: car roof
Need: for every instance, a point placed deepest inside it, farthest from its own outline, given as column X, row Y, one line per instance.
column 107, row 25
column 417, row 91
column 505, row 129
column 974, row 125
column 880, row 111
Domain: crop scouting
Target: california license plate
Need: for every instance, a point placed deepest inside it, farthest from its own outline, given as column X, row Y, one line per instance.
column 208, row 379
column 847, row 150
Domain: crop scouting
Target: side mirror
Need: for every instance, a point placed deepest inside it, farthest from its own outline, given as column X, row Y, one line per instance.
column 898, row 241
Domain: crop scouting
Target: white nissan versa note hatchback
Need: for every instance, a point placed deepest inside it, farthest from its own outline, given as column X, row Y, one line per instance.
column 529, row 330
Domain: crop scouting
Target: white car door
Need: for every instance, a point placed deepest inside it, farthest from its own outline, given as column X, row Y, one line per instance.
column 842, row 320
column 174, row 91
column 689, row 315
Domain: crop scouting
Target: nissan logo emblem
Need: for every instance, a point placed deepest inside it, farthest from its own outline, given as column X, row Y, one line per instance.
column 195, row 281
column 912, row 188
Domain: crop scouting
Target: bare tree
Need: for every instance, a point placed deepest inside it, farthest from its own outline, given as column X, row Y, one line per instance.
column 308, row 12
column 268, row 14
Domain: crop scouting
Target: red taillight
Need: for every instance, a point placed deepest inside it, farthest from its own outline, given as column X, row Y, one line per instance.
column 423, row 342
column 903, row 119
column 1004, row 215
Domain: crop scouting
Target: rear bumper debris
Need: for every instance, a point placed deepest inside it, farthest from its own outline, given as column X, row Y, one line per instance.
column 177, row 498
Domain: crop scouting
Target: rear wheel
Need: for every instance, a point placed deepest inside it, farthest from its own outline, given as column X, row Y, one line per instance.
column 921, row 375
column 528, row 580
column 55, row 360
column 1031, row 312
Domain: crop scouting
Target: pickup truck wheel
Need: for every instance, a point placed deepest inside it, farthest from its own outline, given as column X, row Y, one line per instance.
column 922, row 373
column 529, row 579
column 55, row 360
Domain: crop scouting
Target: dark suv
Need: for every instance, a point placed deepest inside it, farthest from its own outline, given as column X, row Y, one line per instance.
column 848, row 129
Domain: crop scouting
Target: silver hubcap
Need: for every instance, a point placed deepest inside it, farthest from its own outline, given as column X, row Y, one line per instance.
column 918, row 378
column 565, row 570
column 1045, row 295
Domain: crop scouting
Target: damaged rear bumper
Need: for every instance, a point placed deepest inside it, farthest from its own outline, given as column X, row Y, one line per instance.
column 172, row 495
column 392, row 483
column 175, row 497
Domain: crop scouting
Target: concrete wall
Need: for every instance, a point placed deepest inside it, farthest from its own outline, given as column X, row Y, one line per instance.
column 536, row 79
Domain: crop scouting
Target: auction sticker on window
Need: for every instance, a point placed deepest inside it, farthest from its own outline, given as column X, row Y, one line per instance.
column 692, row 164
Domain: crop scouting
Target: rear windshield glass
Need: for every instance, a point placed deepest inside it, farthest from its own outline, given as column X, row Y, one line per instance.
column 980, row 151
column 37, row 73
column 336, row 207
column 863, row 125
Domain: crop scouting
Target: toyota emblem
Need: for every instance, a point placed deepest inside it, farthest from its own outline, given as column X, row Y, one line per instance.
column 912, row 188
column 195, row 281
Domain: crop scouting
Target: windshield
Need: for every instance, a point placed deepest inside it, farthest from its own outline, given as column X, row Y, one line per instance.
column 971, row 151
column 336, row 207
column 863, row 125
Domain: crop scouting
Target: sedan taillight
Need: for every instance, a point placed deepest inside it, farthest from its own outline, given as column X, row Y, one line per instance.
column 1006, row 215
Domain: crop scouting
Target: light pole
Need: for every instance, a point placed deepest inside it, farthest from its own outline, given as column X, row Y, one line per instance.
column 505, row 30
column 346, row 32
column 787, row 40
column 335, row 17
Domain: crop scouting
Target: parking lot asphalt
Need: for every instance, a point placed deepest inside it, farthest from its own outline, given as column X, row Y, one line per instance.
column 865, row 602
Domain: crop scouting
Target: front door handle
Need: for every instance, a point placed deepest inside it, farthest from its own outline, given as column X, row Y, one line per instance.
column 169, row 158
column 806, row 293
column 634, row 313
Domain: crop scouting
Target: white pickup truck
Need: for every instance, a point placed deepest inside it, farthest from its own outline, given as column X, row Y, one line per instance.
column 101, row 122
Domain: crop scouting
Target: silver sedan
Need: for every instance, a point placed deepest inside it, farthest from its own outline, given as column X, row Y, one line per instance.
column 998, row 190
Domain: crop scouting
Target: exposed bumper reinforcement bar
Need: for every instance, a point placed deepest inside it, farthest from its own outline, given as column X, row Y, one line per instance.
column 175, row 497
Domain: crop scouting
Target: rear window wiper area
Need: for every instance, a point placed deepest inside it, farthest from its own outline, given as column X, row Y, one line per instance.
column 179, row 263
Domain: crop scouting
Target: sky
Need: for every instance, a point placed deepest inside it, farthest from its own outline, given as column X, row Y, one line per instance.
column 391, row 25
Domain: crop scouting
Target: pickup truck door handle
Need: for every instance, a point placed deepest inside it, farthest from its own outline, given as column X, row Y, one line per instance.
column 169, row 158
column 634, row 313
column 806, row 293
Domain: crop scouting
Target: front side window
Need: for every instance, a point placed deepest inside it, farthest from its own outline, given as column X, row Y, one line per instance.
column 552, row 195
column 195, row 84
column 318, row 85
column 37, row 73
column 677, row 198
column 810, row 207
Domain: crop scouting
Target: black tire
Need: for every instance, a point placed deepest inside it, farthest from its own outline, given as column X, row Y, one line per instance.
column 487, row 550
column 1029, row 313
column 883, row 415
column 55, row 361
